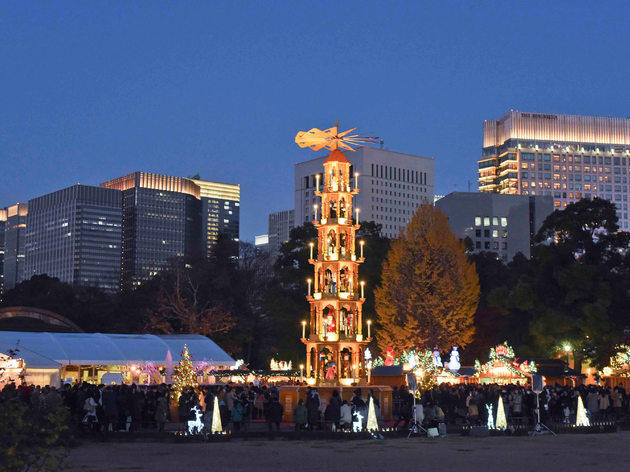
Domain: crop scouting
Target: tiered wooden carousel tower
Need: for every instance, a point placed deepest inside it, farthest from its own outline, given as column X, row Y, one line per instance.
column 335, row 347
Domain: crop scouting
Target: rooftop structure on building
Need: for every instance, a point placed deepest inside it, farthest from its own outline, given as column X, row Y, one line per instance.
column 393, row 185
column 75, row 234
column 566, row 157
column 261, row 243
column 502, row 224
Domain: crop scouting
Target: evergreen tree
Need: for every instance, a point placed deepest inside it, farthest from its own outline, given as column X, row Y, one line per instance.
column 429, row 290
column 185, row 375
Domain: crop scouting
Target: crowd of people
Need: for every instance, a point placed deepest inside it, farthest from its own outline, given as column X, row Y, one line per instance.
column 472, row 404
column 131, row 407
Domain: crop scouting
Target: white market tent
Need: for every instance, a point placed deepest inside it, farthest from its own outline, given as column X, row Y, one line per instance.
column 52, row 351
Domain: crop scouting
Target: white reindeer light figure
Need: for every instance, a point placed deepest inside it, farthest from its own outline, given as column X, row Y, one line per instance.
column 197, row 424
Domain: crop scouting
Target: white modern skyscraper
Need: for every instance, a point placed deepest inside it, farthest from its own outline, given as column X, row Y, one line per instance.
column 392, row 185
column 567, row 157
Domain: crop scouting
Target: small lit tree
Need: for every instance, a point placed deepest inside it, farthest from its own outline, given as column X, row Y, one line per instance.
column 185, row 375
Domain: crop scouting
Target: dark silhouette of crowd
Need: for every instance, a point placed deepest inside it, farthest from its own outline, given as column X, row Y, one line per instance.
column 472, row 404
column 129, row 408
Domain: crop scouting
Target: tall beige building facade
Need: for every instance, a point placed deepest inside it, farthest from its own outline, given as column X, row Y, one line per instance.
column 567, row 157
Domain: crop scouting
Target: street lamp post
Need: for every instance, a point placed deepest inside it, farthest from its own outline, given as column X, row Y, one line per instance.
column 567, row 349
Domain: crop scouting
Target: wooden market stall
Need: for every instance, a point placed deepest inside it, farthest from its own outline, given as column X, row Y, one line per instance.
column 503, row 368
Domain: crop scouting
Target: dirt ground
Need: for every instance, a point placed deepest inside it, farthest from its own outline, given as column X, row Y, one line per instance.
column 518, row 454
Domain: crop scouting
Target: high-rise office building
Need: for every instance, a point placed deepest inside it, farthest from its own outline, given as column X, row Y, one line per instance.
column 161, row 222
column 3, row 223
column 75, row 234
column 220, row 213
column 567, row 157
column 392, row 185
column 280, row 225
column 14, row 238
column 167, row 217
column 503, row 224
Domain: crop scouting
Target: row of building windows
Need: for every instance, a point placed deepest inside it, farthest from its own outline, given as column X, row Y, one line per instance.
column 495, row 233
column 401, row 175
column 491, row 245
column 491, row 221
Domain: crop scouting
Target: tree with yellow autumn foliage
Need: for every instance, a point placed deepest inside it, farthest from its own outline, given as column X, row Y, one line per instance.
column 429, row 290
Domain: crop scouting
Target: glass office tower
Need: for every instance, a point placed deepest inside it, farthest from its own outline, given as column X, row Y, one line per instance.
column 220, row 213
column 567, row 157
column 75, row 234
column 161, row 222
column 14, row 236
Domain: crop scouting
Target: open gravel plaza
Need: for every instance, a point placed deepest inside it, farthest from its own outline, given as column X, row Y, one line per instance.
column 493, row 454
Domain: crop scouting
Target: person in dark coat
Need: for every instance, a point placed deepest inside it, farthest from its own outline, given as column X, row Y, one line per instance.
column 110, row 408
column 300, row 415
column 276, row 412
column 183, row 409
column 135, row 400
column 161, row 411
column 312, row 408
column 333, row 413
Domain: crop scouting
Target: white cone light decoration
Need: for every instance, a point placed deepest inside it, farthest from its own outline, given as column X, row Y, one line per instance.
column 581, row 418
column 216, row 417
column 372, row 423
column 501, row 420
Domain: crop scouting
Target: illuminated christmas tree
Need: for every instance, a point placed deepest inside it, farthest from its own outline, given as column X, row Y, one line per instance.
column 372, row 423
column 581, row 419
column 184, row 376
column 216, row 417
column 501, row 420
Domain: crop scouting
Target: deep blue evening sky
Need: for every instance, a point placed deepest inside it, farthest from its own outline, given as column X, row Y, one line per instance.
column 94, row 90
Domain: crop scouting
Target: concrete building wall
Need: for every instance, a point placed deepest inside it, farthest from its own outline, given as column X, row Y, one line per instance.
column 504, row 224
column 280, row 225
column 392, row 185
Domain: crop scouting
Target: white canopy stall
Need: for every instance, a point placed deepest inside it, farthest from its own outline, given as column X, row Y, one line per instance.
column 55, row 357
